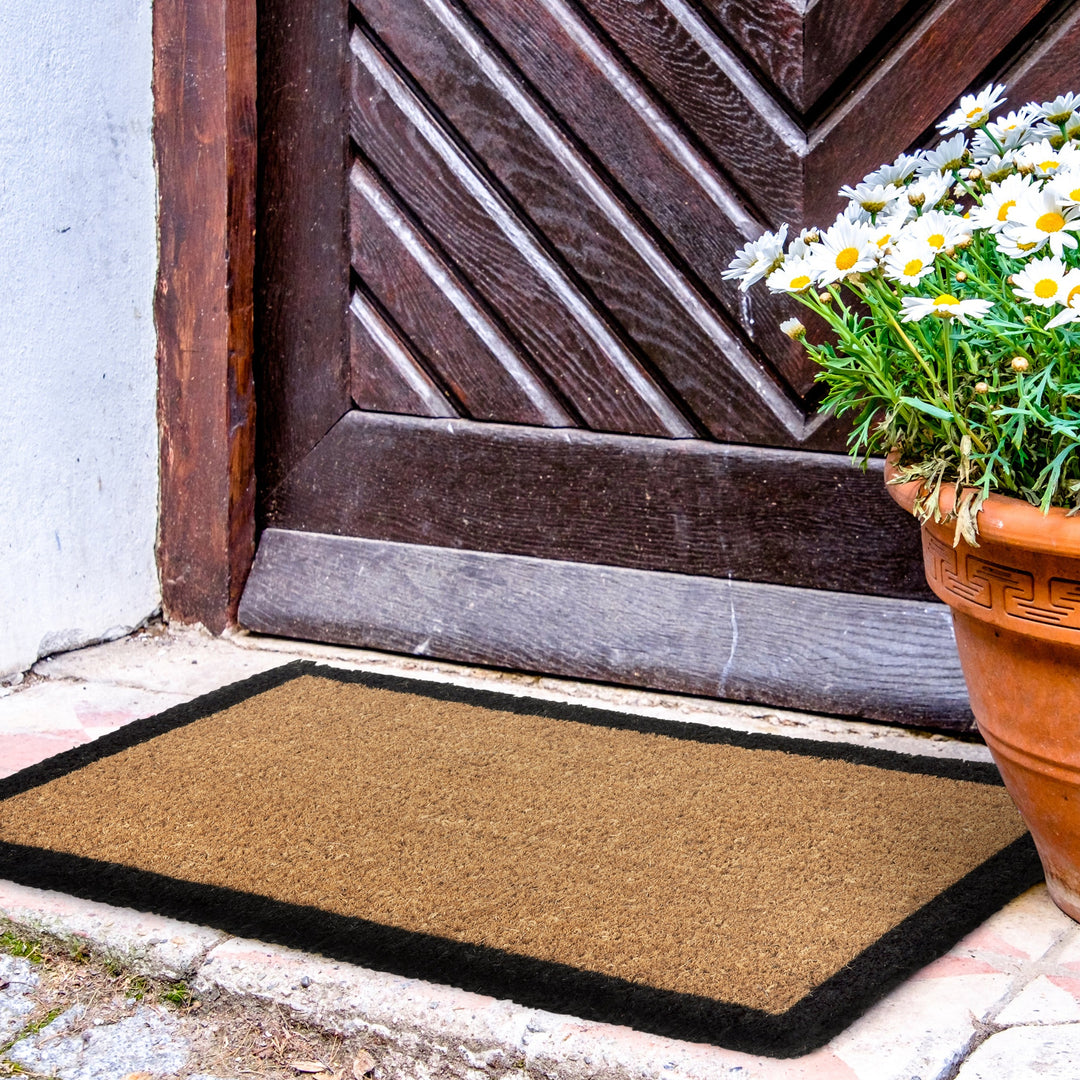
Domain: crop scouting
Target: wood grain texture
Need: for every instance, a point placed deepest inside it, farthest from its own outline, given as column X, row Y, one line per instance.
column 387, row 375
column 802, row 48
column 686, row 336
column 1048, row 66
column 455, row 331
column 302, row 240
column 941, row 55
column 204, row 134
column 748, row 134
column 593, row 365
column 858, row 656
column 808, row 520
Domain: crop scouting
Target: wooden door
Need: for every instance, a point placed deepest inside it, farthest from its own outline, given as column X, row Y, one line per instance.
column 511, row 413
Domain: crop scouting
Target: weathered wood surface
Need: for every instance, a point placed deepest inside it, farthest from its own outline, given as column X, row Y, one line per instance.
column 682, row 330
column 446, row 322
column 1049, row 66
column 302, row 233
column 204, row 135
column 796, row 648
column 809, row 520
column 803, row 48
column 593, row 363
column 542, row 197
column 387, row 376
column 926, row 70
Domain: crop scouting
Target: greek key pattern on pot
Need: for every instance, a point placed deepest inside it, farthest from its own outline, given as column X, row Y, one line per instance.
column 1017, row 593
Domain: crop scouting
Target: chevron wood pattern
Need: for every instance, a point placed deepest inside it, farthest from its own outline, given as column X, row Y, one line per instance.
column 544, row 193
column 493, row 324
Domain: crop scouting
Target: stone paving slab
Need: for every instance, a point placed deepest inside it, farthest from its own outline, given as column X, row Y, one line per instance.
column 146, row 1043
column 17, row 980
column 1026, row 1053
column 145, row 944
column 46, row 718
column 189, row 662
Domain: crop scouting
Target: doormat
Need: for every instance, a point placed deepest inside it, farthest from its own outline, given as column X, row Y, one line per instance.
column 747, row 890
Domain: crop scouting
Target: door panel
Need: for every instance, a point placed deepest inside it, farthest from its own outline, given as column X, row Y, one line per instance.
column 494, row 336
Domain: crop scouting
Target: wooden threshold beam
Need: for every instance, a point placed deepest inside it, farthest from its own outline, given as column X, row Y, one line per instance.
column 795, row 648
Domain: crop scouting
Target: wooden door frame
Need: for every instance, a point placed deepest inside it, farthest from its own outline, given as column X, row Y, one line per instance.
column 205, row 134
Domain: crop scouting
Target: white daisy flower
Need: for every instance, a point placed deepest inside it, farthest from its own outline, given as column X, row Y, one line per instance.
column 938, row 230
column 999, row 202
column 896, row 173
column 930, row 189
column 794, row 276
column 1008, row 244
column 974, row 110
column 1071, row 312
column 1060, row 109
column 887, row 229
column 1044, row 159
column 945, row 157
column 1042, row 282
column 1008, row 131
column 854, row 213
column 757, row 259
column 996, row 168
column 1039, row 218
column 1066, row 187
column 794, row 329
column 801, row 245
column 873, row 198
column 1071, row 300
column 945, row 306
column 845, row 248
column 909, row 263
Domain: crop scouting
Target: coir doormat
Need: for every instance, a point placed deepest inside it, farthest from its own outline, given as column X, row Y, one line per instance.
column 751, row 891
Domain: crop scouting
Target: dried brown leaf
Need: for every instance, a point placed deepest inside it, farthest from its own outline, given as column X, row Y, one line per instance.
column 362, row 1064
column 309, row 1066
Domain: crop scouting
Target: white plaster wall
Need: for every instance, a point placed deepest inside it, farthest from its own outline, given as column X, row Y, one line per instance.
column 78, row 252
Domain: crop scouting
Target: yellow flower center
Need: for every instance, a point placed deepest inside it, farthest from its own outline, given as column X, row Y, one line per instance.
column 945, row 300
column 1003, row 210
column 1027, row 247
column 972, row 113
column 1046, row 288
column 847, row 258
column 800, row 282
column 883, row 242
column 1048, row 166
column 1050, row 222
column 1075, row 194
column 912, row 267
column 936, row 240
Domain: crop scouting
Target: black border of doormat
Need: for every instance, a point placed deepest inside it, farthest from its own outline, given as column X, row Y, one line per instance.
column 824, row 1012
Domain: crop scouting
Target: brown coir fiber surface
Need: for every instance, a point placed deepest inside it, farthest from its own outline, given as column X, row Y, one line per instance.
column 746, row 875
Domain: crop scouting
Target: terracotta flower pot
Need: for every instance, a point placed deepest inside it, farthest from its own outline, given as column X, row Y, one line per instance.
column 1015, row 601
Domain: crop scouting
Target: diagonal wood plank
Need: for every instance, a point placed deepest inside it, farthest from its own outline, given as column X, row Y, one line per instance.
column 682, row 330
column 452, row 329
column 803, row 47
column 575, row 344
column 387, row 375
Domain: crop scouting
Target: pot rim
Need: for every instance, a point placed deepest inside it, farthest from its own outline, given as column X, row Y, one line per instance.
column 1002, row 519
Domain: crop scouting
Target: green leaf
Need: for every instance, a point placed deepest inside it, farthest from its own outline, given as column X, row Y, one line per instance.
column 926, row 407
